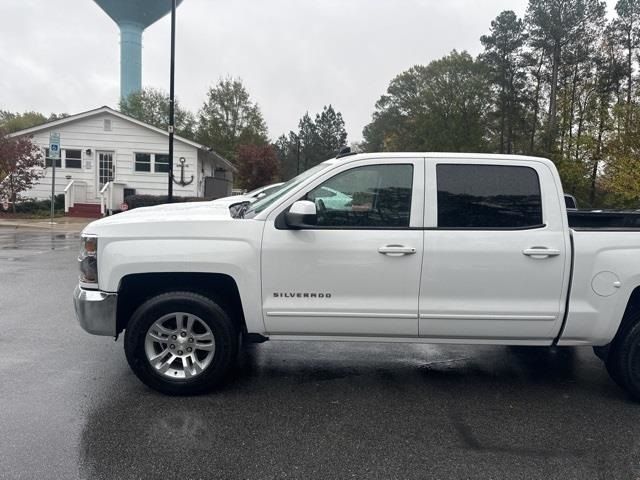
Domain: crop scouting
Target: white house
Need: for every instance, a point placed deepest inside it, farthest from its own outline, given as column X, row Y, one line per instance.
column 106, row 155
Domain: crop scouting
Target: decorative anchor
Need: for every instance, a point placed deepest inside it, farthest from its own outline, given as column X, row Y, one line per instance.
column 182, row 182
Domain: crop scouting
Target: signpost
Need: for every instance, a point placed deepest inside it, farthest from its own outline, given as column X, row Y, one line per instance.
column 54, row 155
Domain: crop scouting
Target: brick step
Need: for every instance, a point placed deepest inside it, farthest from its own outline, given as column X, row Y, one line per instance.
column 86, row 210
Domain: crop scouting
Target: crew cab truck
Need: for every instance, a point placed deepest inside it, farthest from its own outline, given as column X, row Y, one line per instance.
column 418, row 247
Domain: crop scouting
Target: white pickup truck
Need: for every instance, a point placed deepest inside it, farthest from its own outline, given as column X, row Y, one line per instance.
column 422, row 247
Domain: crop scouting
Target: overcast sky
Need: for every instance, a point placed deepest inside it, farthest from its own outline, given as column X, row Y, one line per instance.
column 292, row 55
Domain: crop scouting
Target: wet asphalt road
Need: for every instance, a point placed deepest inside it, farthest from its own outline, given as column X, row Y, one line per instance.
column 70, row 407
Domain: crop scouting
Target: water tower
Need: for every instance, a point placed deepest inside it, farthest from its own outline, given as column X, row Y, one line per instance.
column 133, row 17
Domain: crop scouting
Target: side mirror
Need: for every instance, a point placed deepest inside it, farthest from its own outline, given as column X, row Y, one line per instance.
column 261, row 195
column 301, row 214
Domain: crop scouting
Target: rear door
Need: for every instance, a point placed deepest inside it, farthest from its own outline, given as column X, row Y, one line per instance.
column 496, row 253
column 356, row 273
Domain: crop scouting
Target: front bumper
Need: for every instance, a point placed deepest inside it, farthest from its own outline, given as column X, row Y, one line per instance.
column 96, row 311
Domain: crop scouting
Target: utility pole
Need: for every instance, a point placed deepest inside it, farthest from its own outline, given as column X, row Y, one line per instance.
column 172, row 98
column 298, row 145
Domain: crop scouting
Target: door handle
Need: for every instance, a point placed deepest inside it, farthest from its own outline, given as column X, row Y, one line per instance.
column 541, row 252
column 396, row 250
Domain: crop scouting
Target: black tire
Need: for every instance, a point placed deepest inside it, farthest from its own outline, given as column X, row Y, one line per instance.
column 225, row 332
column 623, row 362
column 613, row 369
column 602, row 352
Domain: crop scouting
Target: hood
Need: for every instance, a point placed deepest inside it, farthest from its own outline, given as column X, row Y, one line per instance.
column 167, row 214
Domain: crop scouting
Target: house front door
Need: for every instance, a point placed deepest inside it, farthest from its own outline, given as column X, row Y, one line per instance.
column 105, row 169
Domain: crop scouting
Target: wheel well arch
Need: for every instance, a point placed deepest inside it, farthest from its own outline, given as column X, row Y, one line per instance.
column 631, row 312
column 135, row 289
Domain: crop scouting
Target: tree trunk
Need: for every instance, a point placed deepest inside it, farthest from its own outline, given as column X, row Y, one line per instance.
column 553, row 101
column 510, row 116
column 572, row 107
column 579, row 134
column 627, row 120
column 594, row 171
column 536, row 108
column 502, row 119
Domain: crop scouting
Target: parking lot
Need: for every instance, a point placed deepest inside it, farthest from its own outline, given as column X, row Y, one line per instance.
column 71, row 408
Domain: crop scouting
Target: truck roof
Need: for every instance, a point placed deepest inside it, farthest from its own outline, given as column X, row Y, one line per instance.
column 469, row 156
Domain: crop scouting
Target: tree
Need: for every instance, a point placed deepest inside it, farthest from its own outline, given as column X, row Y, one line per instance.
column 563, row 84
column 316, row 141
column 309, row 141
column 503, row 55
column 20, row 160
column 331, row 132
column 258, row 166
column 229, row 119
column 626, row 30
column 13, row 122
column 151, row 105
column 552, row 25
column 439, row 107
column 289, row 154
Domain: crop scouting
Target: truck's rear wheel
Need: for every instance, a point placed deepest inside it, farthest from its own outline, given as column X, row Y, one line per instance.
column 181, row 343
column 623, row 362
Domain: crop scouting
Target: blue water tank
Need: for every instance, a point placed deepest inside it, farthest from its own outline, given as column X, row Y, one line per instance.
column 133, row 16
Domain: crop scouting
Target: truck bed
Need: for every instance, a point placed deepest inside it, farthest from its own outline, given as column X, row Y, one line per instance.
column 604, row 220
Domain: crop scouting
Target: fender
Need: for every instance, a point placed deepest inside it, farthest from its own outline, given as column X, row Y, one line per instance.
column 192, row 249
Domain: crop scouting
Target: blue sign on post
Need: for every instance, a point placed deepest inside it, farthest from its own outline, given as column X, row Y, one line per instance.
column 54, row 154
column 54, row 145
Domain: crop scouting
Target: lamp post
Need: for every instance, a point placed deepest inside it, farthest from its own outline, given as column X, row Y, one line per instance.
column 172, row 98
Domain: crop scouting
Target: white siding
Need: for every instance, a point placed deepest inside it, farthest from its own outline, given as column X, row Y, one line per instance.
column 124, row 140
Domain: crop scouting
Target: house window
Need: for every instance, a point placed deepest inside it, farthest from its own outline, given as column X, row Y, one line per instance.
column 48, row 161
column 73, row 158
column 107, row 125
column 143, row 162
column 161, row 163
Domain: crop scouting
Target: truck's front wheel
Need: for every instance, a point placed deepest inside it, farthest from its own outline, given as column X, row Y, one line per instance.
column 181, row 343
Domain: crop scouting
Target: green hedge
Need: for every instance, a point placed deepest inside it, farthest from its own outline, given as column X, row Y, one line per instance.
column 39, row 206
column 137, row 201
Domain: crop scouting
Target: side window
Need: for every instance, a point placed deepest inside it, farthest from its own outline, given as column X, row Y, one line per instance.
column 73, row 158
column 143, row 162
column 48, row 161
column 161, row 163
column 488, row 196
column 365, row 197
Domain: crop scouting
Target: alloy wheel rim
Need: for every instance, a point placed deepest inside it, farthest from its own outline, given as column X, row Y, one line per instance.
column 179, row 345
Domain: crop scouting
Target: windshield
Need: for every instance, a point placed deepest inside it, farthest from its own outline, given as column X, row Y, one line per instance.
column 263, row 191
column 266, row 189
column 260, row 205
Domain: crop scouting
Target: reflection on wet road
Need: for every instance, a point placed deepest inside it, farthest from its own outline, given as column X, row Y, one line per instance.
column 15, row 244
column 72, row 409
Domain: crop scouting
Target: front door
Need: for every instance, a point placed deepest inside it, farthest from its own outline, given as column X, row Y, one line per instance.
column 356, row 273
column 496, row 256
column 105, row 168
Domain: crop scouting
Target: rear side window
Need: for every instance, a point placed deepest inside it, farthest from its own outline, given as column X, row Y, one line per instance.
column 488, row 196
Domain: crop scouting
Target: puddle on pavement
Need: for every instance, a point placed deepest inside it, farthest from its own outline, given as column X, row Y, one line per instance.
column 33, row 243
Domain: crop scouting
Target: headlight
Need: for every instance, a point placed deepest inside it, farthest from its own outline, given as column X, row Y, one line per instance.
column 88, row 260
